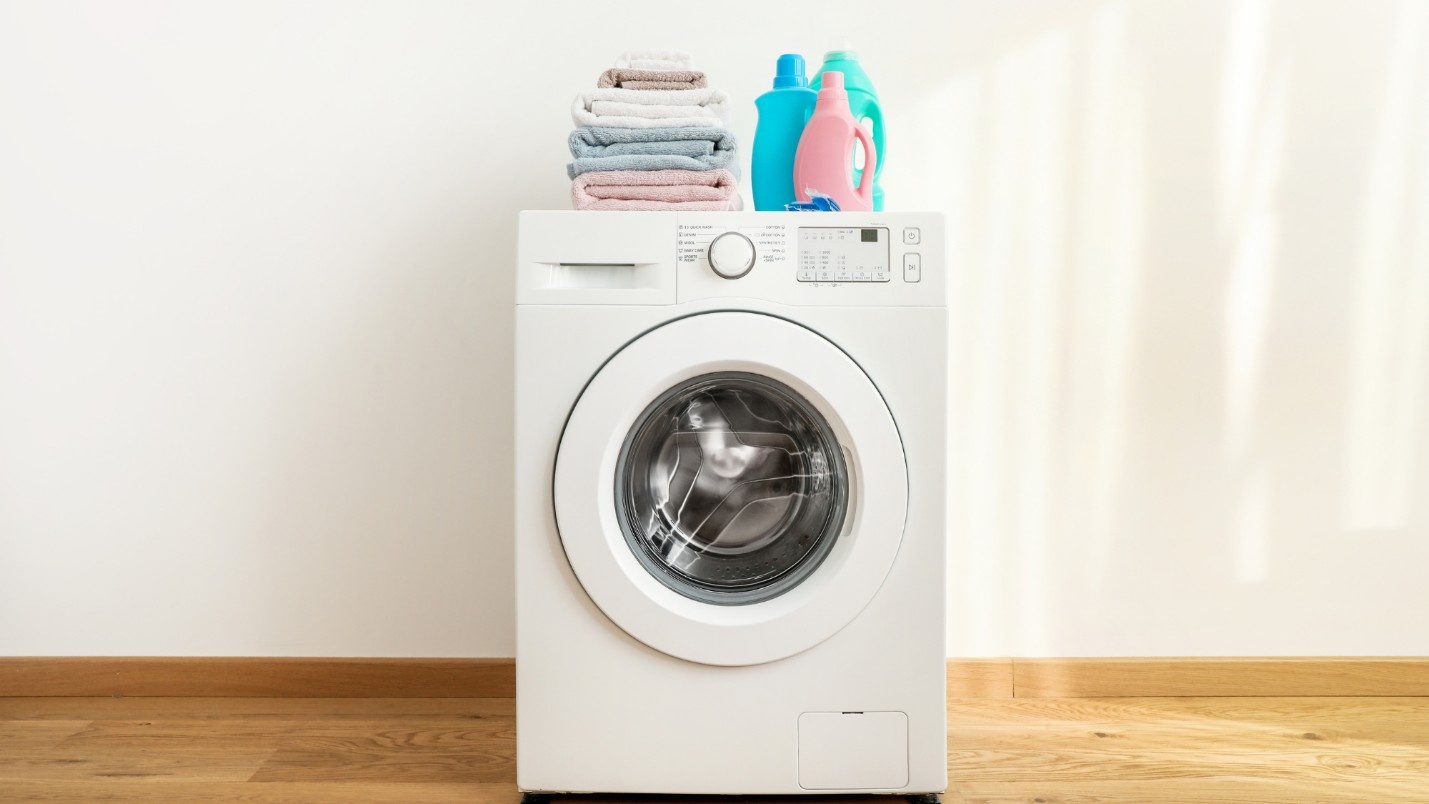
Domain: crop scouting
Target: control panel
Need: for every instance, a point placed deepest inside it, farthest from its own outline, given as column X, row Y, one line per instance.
column 840, row 258
column 831, row 259
column 843, row 254
column 729, row 251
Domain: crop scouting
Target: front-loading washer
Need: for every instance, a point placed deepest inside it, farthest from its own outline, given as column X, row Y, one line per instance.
column 730, row 503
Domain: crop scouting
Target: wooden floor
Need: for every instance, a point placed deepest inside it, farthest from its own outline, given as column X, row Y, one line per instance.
column 1038, row 751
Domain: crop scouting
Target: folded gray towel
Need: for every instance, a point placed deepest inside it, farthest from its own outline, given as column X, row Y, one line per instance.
column 691, row 148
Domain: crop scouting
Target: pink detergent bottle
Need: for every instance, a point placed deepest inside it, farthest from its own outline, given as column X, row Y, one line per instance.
column 824, row 161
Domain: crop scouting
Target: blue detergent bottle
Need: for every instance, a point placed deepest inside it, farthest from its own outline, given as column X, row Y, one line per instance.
column 783, row 111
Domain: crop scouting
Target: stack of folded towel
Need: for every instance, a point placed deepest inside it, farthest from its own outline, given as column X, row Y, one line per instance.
column 653, row 136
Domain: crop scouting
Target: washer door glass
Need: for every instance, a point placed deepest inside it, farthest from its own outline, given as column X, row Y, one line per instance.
column 731, row 488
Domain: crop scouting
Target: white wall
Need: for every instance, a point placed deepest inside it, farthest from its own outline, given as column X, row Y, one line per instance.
column 255, row 309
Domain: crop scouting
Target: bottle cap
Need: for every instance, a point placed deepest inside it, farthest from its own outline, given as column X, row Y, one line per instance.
column 790, row 72
column 832, row 81
column 844, row 52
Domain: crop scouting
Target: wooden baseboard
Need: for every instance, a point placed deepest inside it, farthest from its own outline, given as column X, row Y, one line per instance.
column 1277, row 676
column 980, row 678
column 1359, row 676
column 257, row 677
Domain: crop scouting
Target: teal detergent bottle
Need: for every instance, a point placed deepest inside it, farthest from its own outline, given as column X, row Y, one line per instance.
column 783, row 111
column 863, row 102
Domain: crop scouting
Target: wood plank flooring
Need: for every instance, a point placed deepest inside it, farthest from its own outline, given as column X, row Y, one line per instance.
column 1000, row 751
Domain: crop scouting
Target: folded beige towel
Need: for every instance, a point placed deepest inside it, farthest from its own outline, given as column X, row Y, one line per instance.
column 624, row 78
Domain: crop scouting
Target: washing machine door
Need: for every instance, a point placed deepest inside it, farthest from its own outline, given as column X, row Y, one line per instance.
column 731, row 489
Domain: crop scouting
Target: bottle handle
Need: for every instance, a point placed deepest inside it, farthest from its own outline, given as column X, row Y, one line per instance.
column 875, row 114
column 870, row 163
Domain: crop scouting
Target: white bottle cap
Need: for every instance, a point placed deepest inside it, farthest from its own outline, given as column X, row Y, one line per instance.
column 845, row 49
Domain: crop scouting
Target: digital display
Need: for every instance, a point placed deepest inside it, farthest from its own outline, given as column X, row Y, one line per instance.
column 869, row 236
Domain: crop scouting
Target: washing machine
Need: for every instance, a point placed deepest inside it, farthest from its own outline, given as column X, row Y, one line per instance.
column 730, row 503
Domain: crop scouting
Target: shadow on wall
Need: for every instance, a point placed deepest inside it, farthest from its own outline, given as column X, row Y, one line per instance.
column 1191, row 325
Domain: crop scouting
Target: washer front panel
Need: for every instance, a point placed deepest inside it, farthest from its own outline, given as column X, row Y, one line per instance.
column 758, row 349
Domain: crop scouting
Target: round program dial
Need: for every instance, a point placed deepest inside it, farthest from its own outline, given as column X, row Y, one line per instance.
column 732, row 255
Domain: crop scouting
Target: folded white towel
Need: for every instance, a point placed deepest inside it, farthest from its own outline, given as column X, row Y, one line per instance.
column 648, row 108
column 615, row 109
column 655, row 60
column 705, row 96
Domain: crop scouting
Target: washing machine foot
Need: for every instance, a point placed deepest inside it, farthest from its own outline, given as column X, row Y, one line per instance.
column 537, row 798
column 924, row 798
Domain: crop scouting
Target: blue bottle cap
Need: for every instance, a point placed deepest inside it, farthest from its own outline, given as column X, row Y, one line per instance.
column 790, row 72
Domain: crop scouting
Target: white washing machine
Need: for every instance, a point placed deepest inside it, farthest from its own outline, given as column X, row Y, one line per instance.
column 730, row 503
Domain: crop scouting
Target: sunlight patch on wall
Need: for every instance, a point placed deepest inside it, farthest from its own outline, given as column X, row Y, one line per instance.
column 1385, row 410
column 1018, row 343
column 1251, row 141
column 1109, row 261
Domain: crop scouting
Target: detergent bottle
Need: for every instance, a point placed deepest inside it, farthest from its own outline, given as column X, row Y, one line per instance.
column 824, row 161
column 782, row 113
column 863, row 102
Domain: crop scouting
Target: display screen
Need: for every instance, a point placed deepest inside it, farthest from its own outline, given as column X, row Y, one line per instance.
column 870, row 236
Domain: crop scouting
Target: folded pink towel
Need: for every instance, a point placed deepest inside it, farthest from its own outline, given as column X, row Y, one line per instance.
column 624, row 78
column 713, row 190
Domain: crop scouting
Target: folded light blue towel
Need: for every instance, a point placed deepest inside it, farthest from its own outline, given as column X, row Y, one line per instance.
column 691, row 148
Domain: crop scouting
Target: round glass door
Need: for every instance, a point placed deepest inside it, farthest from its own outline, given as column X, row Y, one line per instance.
column 731, row 488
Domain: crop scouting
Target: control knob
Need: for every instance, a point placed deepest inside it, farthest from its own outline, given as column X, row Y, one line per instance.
column 731, row 255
